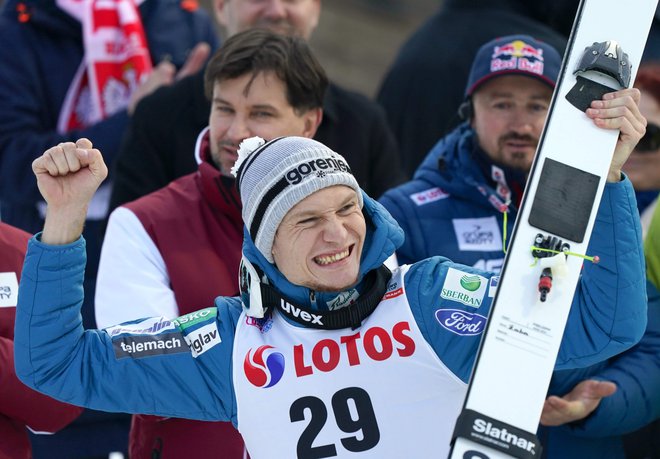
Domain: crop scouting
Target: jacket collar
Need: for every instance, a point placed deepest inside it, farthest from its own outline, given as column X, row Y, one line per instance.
column 383, row 237
column 219, row 191
column 457, row 165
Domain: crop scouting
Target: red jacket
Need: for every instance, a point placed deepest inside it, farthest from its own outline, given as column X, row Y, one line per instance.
column 20, row 406
column 195, row 222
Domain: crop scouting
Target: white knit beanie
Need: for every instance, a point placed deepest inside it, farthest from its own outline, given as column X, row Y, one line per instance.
column 274, row 176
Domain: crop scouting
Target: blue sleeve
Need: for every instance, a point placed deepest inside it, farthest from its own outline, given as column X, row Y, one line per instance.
column 147, row 367
column 636, row 373
column 454, row 339
column 390, row 200
column 608, row 314
column 402, row 209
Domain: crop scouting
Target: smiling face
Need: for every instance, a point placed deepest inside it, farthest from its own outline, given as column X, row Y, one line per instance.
column 245, row 107
column 286, row 17
column 509, row 114
column 319, row 242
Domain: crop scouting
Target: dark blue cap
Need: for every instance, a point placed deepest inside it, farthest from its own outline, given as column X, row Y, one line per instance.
column 514, row 55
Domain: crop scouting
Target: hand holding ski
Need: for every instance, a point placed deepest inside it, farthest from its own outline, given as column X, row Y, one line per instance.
column 620, row 110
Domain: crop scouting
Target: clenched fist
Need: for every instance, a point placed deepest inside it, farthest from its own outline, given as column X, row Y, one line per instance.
column 68, row 175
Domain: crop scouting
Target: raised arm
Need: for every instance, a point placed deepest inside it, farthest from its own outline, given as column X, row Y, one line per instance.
column 145, row 367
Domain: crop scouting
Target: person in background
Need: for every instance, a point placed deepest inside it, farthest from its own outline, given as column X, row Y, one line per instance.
column 62, row 77
column 423, row 88
column 643, row 167
column 20, row 407
column 351, row 122
column 67, row 72
column 320, row 322
column 652, row 250
column 614, row 408
column 466, row 191
column 178, row 248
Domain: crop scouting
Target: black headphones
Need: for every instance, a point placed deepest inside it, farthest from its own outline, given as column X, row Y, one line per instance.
column 465, row 110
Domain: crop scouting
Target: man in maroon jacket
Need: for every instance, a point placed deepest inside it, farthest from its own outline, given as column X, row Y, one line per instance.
column 175, row 250
column 20, row 406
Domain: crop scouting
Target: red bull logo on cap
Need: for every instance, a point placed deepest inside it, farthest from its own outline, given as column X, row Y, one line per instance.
column 517, row 55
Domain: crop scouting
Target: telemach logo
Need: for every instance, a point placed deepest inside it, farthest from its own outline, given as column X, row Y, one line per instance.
column 142, row 346
column 486, row 428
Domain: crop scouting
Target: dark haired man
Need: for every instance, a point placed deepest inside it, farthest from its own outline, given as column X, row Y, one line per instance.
column 351, row 122
column 177, row 248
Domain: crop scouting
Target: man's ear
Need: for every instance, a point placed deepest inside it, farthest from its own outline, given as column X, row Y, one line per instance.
column 313, row 119
column 465, row 110
column 220, row 9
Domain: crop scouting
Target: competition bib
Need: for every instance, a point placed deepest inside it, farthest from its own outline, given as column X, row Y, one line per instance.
column 378, row 391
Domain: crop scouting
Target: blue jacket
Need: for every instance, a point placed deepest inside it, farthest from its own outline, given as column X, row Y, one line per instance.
column 427, row 206
column 55, row 355
column 39, row 57
column 635, row 404
column 460, row 223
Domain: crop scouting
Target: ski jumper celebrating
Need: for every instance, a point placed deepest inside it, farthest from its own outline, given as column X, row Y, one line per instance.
column 325, row 352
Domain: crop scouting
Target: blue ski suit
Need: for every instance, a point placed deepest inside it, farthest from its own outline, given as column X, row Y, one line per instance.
column 109, row 369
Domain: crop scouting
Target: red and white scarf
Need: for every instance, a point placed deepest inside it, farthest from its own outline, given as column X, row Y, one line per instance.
column 116, row 60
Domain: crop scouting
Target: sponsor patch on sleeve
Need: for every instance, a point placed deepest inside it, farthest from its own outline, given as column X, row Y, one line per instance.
column 193, row 318
column 140, row 346
column 150, row 326
column 492, row 287
column 461, row 322
column 429, row 196
column 393, row 290
column 8, row 290
column 463, row 287
column 203, row 339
